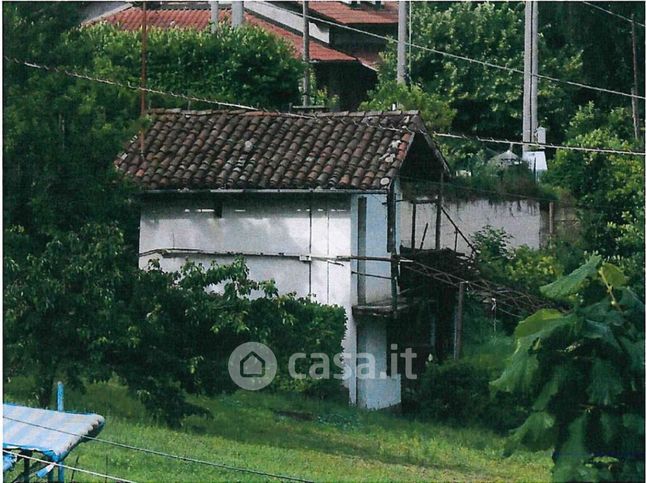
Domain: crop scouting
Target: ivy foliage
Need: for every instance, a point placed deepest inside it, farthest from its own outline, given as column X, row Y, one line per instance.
column 239, row 65
column 584, row 371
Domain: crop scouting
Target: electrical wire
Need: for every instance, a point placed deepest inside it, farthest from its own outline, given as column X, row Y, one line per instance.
column 60, row 465
column 128, row 85
column 162, row 453
column 614, row 14
column 470, row 60
column 364, row 122
column 543, row 145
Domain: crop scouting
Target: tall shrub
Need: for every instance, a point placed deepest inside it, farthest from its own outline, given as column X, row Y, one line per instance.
column 584, row 371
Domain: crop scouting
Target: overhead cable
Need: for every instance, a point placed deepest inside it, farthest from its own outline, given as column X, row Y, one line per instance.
column 614, row 14
column 127, row 85
column 473, row 61
column 187, row 459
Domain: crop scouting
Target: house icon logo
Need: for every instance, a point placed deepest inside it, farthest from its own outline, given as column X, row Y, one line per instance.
column 252, row 366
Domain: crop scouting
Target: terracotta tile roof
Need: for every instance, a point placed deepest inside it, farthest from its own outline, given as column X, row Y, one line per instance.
column 362, row 14
column 131, row 18
column 318, row 51
column 369, row 59
column 259, row 150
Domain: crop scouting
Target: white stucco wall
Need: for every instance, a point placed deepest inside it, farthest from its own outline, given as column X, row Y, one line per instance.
column 376, row 246
column 382, row 391
column 280, row 241
column 521, row 219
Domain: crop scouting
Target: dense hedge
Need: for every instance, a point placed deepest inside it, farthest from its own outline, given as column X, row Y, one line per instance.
column 458, row 392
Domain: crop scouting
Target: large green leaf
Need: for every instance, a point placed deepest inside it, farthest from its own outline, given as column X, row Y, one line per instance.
column 537, row 322
column 600, row 331
column 572, row 283
column 538, row 432
column 613, row 275
column 630, row 302
column 551, row 388
column 605, row 384
column 610, row 425
column 635, row 351
column 634, row 423
column 519, row 373
column 603, row 312
column 570, row 460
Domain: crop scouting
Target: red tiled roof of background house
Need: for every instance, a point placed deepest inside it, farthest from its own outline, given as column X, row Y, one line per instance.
column 362, row 14
column 318, row 51
column 131, row 19
column 263, row 150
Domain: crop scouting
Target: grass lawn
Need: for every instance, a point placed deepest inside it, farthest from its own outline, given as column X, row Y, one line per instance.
column 288, row 435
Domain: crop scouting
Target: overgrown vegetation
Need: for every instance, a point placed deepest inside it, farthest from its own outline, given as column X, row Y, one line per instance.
column 609, row 188
column 243, row 65
column 584, row 371
column 79, row 311
column 458, row 393
column 520, row 267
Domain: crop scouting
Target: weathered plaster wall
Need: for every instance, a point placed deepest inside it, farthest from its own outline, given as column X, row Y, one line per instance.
column 289, row 239
column 381, row 391
column 521, row 219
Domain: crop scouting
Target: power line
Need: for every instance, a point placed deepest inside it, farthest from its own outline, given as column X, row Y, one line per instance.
column 127, row 85
column 162, row 453
column 614, row 14
column 404, row 130
column 543, row 145
column 60, row 465
column 474, row 61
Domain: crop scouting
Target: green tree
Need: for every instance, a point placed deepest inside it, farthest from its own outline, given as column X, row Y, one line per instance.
column 605, row 45
column 486, row 101
column 61, row 133
column 82, row 312
column 61, row 314
column 435, row 111
column 609, row 188
column 584, row 371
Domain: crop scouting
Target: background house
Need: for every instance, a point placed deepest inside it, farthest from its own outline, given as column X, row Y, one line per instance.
column 344, row 62
column 304, row 200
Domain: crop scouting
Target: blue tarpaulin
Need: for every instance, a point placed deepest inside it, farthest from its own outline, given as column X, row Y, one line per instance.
column 26, row 429
column 8, row 460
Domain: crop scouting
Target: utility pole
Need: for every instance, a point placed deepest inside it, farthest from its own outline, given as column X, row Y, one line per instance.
column 306, row 55
column 237, row 13
column 144, row 54
column 401, row 42
column 530, row 85
column 635, row 90
column 215, row 13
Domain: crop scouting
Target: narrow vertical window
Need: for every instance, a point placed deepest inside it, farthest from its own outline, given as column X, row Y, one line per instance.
column 361, row 264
